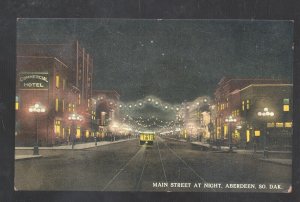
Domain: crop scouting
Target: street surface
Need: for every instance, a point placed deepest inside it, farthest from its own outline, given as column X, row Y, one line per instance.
column 168, row 165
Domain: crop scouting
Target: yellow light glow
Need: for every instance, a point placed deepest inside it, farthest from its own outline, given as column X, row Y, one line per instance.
column 257, row 133
column 247, row 136
column 78, row 132
column 270, row 125
column 288, row 124
column 17, row 105
column 279, row 125
column 56, row 104
column 286, row 108
column 57, row 81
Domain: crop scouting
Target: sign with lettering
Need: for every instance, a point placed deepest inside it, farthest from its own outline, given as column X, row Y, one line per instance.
column 33, row 80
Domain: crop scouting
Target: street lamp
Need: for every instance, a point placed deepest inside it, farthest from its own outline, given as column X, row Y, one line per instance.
column 265, row 114
column 230, row 120
column 74, row 118
column 36, row 109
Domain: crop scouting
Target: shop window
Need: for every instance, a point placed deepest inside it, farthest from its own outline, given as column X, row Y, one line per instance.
column 70, row 107
column 279, row 125
column 78, row 131
column 288, row 124
column 87, row 133
column 57, row 81
column 225, row 129
column 257, row 133
column 270, row 125
column 57, row 128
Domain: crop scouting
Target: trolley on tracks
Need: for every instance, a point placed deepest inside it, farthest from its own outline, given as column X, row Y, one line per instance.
column 147, row 138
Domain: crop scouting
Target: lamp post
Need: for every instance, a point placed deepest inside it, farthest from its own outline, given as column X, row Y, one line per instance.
column 264, row 115
column 36, row 109
column 230, row 120
column 74, row 118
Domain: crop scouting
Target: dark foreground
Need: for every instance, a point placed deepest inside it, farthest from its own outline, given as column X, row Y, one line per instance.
column 166, row 166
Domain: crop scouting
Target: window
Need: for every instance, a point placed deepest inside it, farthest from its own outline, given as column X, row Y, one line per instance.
column 57, row 81
column 63, row 105
column 286, row 101
column 78, row 132
column 286, row 108
column 248, row 104
column 288, row 124
column 57, row 127
column 56, row 104
column 70, row 107
column 64, row 84
column 225, row 130
column 243, row 105
column 257, row 133
column 279, row 125
column 79, row 99
column 247, row 136
column 87, row 133
column 17, row 103
column 270, row 125
column 73, row 108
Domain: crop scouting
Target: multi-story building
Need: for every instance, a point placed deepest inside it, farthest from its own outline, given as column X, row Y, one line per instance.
column 57, row 76
column 234, row 97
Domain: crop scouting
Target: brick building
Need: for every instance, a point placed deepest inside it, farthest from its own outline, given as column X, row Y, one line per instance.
column 59, row 77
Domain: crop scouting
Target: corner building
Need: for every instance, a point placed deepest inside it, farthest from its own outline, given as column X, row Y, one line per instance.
column 59, row 77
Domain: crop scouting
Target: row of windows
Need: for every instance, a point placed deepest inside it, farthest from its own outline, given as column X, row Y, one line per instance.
column 71, row 107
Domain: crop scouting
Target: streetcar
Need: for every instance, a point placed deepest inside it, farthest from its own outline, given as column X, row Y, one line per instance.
column 147, row 138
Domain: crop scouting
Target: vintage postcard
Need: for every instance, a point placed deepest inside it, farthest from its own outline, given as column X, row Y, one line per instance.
column 154, row 105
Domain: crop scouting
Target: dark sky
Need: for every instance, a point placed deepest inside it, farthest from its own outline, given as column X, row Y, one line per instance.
column 175, row 60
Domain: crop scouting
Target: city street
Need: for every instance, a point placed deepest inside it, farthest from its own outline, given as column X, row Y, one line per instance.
column 163, row 167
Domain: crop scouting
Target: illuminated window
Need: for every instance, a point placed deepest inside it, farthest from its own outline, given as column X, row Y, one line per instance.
column 69, row 131
column 56, row 104
column 286, row 108
column 279, row 125
column 57, row 127
column 270, row 125
column 225, row 130
column 248, row 104
column 17, row 103
column 63, row 133
column 288, row 124
column 79, row 99
column 70, row 107
column 257, row 133
column 286, row 101
column 247, row 136
column 87, row 133
column 78, row 132
column 73, row 107
column 57, row 81
column 243, row 105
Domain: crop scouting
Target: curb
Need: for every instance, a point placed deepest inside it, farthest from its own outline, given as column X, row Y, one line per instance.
column 275, row 162
column 27, row 157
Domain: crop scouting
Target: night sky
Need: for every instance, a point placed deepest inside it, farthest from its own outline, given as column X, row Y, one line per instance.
column 174, row 60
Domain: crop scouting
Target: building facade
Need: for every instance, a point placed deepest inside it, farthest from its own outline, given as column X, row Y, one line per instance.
column 58, row 77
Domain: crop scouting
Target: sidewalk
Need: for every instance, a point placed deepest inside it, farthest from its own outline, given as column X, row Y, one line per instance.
column 287, row 162
column 79, row 146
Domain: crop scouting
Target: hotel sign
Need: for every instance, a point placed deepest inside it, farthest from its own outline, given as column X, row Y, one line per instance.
column 33, row 80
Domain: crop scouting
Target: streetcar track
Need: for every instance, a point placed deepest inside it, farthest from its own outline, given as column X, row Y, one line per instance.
column 163, row 167
column 122, row 169
column 137, row 186
column 184, row 162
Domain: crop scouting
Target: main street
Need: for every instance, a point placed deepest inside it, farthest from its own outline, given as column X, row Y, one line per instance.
column 127, row 166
